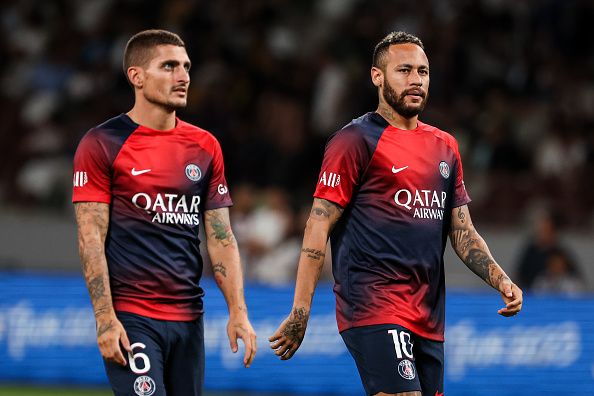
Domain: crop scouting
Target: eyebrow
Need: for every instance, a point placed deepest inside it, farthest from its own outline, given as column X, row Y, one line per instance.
column 175, row 62
column 412, row 66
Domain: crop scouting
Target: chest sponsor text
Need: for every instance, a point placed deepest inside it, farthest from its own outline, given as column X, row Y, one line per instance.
column 169, row 208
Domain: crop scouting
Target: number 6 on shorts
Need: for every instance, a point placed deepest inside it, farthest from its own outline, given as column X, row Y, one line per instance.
column 142, row 356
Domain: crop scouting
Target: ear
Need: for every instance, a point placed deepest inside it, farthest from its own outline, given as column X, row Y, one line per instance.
column 136, row 76
column 377, row 77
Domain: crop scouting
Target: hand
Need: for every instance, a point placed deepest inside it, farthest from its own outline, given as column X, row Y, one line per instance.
column 241, row 328
column 512, row 297
column 288, row 337
column 110, row 334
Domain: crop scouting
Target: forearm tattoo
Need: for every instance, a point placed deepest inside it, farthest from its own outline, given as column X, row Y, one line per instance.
column 221, row 230
column 295, row 327
column 104, row 328
column 93, row 219
column 480, row 263
column 220, row 269
column 326, row 210
column 461, row 215
column 315, row 254
column 473, row 251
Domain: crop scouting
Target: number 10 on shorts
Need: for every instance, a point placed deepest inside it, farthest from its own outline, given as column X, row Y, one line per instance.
column 402, row 343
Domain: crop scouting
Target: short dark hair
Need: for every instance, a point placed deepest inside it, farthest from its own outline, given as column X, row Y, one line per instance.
column 379, row 53
column 139, row 48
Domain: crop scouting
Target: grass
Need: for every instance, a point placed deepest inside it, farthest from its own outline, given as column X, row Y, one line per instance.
column 51, row 391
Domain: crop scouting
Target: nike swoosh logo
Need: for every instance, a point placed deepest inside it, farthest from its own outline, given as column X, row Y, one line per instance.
column 139, row 172
column 394, row 170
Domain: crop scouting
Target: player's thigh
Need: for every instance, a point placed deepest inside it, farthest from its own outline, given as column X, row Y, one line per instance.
column 184, row 368
column 143, row 374
column 384, row 357
column 430, row 363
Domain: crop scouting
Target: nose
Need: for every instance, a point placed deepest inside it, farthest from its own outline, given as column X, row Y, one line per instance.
column 415, row 78
column 183, row 75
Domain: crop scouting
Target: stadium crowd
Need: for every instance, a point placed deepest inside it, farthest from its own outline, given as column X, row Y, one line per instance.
column 513, row 81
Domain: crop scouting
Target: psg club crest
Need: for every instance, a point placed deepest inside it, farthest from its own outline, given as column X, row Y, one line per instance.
column 406, row 369
column 193, row 172
column 144, row 386
column 444, row 169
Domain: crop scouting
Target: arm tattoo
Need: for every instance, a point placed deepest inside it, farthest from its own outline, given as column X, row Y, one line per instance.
column 295, row 327
column 473, row 251
column 480, row 263
column 93, row 220
column 323, row 209
column 314, row 253
column 461, row 215
column 219, row 268
column 221, row 229
column 96, row 288
column 103, row 328
column 461, row 240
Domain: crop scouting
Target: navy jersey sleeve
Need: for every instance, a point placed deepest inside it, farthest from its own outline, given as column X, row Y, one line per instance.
column 345, row 159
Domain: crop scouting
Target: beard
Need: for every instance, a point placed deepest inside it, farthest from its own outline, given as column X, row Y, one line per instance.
column 170, row 105
column 397, row 102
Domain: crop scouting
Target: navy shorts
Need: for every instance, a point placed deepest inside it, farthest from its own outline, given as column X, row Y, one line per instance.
column 393, row 359
column 168, row 358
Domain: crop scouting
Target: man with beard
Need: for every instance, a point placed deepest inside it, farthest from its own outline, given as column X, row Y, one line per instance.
column 390, row 191
column 143, row 182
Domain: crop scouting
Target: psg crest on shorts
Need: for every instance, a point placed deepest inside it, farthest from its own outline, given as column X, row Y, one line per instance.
column 144, row 386
column 193, row 172
column 406, row 369
column 444, row 169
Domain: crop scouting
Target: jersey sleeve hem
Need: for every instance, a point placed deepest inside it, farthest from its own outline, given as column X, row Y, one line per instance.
column 461, row 202
column 340, row 202
column 92, row 198
column 218, row 205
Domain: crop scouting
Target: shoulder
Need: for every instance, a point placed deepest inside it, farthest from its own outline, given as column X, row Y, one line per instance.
column 202, row 136
column 365, row 129
column 119, row 126
column 445, row 137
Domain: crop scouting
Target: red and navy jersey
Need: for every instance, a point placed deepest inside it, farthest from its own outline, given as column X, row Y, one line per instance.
column 398, row 188
column 158, row 185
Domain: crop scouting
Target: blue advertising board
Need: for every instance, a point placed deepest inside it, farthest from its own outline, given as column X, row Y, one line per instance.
column 47, row 335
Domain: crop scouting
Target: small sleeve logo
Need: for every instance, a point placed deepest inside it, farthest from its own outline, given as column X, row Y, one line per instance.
column 80, row 179
column 330, row 179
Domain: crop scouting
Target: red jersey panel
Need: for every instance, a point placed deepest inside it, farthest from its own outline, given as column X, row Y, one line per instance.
column 398, row 188
column 158, row 185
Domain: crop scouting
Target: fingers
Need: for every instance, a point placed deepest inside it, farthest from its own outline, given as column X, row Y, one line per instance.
column 248, row 335
column 514, row 306
column 125, row 342
column 507, row 290
column 109, row 335
column 250, row 349
column 283, row 346
column 233, row 342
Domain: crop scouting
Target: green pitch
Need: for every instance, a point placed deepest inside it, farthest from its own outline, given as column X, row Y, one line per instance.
column 50, row 391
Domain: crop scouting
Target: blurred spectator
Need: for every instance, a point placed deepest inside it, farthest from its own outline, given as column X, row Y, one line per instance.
column 535, row 259
column 559, row 276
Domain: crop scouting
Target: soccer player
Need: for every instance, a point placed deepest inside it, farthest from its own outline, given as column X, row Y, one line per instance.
column 389, row 193
column 143, row 182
